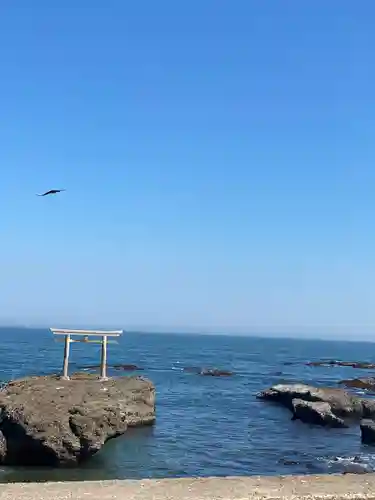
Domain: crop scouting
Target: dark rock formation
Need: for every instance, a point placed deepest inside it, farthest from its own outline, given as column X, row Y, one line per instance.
column 212, row 372
column 368, row 431
column 342, row 403
column 353, row 364
column 129, row 368
column 318, row 413
column 359, row 383
column 286, row 461
column 49, row 421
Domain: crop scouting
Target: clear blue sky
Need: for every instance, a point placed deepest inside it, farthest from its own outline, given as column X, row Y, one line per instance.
column 218, row 158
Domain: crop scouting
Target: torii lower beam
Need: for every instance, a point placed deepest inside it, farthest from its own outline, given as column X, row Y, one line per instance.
column 104, row 334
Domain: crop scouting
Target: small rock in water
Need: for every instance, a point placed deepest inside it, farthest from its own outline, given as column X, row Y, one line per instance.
column 129, row 368
column 353, row 364
column 213, row 372
column 115, row 367
column 285, row 461
column 216, row 373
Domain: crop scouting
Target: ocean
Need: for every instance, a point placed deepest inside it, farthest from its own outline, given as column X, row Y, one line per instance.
column 205, row 426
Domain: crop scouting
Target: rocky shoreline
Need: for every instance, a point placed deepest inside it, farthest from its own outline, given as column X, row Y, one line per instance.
column 343, row 406
column 55, row 422
column 61, row 423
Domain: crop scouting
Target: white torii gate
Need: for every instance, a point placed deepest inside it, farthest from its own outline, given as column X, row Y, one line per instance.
column 83, row 336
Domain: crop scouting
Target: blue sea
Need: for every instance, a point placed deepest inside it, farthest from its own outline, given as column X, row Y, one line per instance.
column 205, row 426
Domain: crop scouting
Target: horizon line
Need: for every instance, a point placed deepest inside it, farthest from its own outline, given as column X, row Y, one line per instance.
column 296, row 333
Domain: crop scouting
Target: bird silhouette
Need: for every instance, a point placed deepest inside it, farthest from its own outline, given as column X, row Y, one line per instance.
column 51, row 191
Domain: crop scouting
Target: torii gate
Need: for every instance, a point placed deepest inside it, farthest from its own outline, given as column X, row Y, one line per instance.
column 83, row 336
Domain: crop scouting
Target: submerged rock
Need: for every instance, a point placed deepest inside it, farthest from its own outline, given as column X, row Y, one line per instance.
column 129, row 368
column 212, row 372
column 318, row 413
column 368, row 431
column 54, row 422
column 286, row 461
column 353, row 364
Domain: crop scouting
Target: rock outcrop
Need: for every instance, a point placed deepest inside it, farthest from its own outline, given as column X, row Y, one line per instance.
column 317, row 413
column 368, row 431
column 341, row 402
column 49, row 421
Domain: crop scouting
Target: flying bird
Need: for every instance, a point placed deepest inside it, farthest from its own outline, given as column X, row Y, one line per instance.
column 51, row 191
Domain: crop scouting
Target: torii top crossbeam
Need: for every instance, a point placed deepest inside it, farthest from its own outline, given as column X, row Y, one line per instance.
column 83, row 336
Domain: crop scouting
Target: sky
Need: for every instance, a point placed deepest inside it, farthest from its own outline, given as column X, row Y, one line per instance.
column 218, row 158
